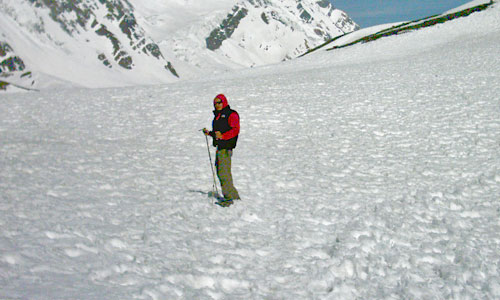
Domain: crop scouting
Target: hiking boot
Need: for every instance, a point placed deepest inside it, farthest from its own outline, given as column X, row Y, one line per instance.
column 224, row 203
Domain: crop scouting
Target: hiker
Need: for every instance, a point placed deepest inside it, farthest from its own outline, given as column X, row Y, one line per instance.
column 225, row 130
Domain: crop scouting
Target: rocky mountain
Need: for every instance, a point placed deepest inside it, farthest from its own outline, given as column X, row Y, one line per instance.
column 269, row 31
column 250, row 32
column 84, row 42
column 98, row 43
column 12, row 68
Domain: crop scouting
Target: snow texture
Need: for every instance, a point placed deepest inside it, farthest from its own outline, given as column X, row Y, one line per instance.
column 369, row 172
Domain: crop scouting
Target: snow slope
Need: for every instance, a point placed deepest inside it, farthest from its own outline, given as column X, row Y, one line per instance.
column 370, row 172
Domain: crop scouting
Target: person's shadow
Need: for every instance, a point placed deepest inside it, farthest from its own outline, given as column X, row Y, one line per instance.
column 210, row 194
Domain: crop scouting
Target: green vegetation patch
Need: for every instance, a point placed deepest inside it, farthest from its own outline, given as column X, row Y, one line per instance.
column 431, row 21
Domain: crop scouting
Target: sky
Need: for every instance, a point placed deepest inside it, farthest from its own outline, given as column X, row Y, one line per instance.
column 367, row 13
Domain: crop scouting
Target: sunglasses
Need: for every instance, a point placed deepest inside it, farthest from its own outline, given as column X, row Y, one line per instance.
column 217, row 102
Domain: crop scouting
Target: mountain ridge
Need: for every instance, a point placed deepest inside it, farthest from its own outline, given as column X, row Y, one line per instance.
column 109, row 43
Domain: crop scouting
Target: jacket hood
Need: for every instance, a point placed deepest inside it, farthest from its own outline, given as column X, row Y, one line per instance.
column 222, row 98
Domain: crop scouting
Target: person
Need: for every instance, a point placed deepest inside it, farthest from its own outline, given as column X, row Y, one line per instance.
column 225, row 131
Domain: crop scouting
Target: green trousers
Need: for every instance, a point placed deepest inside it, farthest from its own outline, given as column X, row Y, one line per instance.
column 223, row 164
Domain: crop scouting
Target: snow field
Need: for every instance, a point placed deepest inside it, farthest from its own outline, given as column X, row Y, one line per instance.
column 377, row 179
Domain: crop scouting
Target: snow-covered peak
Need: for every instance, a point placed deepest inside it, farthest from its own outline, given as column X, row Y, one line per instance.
column 246, row 33
column 271, row 31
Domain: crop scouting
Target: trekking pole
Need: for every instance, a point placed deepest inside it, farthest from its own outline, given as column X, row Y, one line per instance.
column 212, row 166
